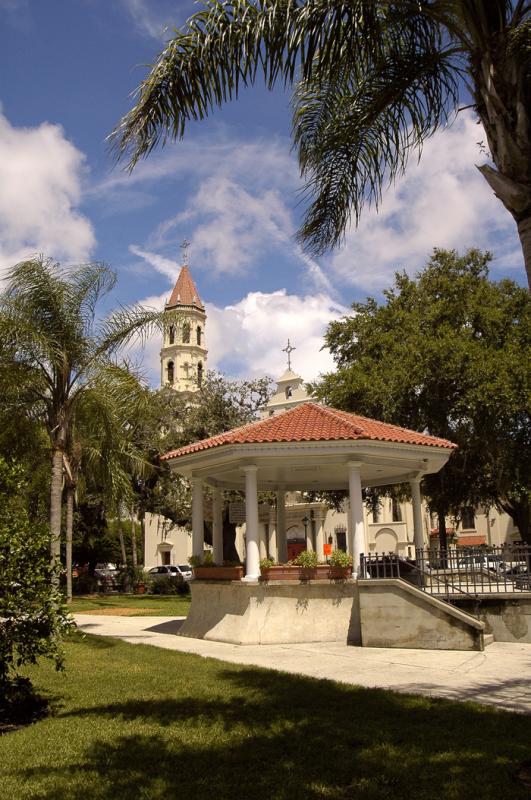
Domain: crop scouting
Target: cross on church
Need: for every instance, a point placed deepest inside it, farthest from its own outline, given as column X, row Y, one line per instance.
column 185, row 244
column 289, row 350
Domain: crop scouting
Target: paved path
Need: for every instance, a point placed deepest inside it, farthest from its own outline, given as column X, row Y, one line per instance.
column 499, row 676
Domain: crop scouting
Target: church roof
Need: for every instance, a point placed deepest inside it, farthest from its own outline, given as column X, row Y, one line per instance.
column 310, row 422
column 185, row 291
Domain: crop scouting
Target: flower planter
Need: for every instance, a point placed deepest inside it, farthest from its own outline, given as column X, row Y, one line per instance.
column 322, row 572
column 340, row 573
column 218, row 573
column 140, row 588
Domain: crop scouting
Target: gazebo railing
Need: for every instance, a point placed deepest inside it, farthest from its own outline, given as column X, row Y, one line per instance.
column 457, row 573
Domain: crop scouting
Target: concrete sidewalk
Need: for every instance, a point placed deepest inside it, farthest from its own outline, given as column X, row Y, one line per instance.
column 500, row 676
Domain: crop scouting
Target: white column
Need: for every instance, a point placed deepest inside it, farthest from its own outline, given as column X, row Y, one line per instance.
column 217, row 526
column 308, row 537
column 319, row 536
column 357, row 544
column 282, row 544
column 198, row 531
column 252, row 565
column 418, row 528
column 272, row 544
column 264, row 537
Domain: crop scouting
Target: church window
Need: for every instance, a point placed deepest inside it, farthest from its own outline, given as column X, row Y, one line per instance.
column 468, row 518
column 289, row 392
column 170, row 371
column 186, row 333
column 199, row 374
column 198, row 334
column 396, row 510
column 171, row 334
column 376, row 512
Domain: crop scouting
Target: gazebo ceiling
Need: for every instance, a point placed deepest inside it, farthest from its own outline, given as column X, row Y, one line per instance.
column 308, row 447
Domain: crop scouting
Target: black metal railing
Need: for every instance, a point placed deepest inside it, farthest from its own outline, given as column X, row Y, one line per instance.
column 457, row 572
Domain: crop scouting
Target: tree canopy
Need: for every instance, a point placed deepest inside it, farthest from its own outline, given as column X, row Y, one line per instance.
column 449, row 351
column 372, row 80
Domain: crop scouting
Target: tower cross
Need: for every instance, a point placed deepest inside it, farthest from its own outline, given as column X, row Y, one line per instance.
column 185, row 244
column 289, row 350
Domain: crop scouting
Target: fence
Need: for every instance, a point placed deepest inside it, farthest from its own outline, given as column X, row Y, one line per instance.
column 459, row 572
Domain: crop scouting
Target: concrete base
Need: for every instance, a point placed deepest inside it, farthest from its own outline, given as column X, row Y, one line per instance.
column 395, row 614
column 277, row 613
column 507, row 616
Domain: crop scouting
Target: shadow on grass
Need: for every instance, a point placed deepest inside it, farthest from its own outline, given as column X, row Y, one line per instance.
column 255, row 734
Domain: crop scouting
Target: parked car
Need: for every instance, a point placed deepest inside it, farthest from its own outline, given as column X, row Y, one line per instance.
column 105, row 570
column 519, row 575
column 478, row 561
column 170, row 571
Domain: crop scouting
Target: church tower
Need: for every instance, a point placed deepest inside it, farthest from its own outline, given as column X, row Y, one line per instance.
column 183, row 356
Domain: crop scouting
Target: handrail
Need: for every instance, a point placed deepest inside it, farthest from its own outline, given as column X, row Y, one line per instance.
column 395, row 560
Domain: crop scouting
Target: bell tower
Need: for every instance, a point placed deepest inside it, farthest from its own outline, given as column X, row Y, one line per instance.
column 183, row 356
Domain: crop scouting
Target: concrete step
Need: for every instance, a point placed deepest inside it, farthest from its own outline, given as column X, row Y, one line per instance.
column 488, row 638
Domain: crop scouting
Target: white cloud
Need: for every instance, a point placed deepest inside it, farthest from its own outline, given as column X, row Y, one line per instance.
column 40, row 190
column 245, row 339
column 152, row 19
column 252, row 333
column 442, row 201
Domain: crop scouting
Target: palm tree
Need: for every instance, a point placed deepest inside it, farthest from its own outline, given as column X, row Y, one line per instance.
column 102, row 454
column 58, row 349
column 372, row 80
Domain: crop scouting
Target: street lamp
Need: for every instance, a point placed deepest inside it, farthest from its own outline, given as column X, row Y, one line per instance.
column 305, row 522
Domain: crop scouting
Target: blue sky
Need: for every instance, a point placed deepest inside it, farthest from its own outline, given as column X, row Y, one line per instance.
column 231, row 188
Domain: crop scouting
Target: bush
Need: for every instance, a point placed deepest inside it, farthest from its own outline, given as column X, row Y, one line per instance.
column 340, row 559
column 308, row 558
column 265, row 563
column 85, row 584
column 33, row 617
column 170, row 585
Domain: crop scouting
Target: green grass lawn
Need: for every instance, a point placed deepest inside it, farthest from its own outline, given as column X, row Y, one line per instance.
column 137, row 722
column 144, row 605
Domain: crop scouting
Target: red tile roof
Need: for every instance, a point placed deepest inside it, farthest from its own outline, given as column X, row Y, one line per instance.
column 310, row 422
column 185, row 291
column 463, row 541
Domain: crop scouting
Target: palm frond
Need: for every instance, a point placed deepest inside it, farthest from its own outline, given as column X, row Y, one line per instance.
column 357, row 130
column 227, row 46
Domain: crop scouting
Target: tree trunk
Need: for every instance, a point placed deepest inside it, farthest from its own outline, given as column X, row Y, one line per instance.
column 134, row 554
column 443, row 539
column 122, row 540
column 56, row 493
column 524, row 232
column 68, row 537
column 520, row 513
column 229, row 539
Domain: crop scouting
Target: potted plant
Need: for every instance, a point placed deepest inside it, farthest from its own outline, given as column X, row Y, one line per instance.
column 307, row 561
column 340, row 565
column 206, row 570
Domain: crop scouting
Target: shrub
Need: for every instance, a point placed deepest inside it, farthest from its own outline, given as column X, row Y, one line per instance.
column 33, row 617
column 308, row 559
column 170, row 585
column 206, row 560
column 266, row 562
column 340, row 559
column 85, row 584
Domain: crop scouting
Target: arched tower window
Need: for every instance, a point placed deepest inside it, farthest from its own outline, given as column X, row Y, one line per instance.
column 171, row 334
column 170, row 371
column 199, row 374
column 289, row 392
column 186, row 333
column 198, row 334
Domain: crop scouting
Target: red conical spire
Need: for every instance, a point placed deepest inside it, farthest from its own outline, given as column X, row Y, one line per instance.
column 185, row 291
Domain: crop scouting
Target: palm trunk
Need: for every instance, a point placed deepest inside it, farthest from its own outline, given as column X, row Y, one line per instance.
column 133, row 540
column 524, row 232
column 56, row 493
column 68, row 536
column 121, row 538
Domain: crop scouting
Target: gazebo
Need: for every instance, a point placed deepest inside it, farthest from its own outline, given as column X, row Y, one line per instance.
column 313, row 447
column 310, row 448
